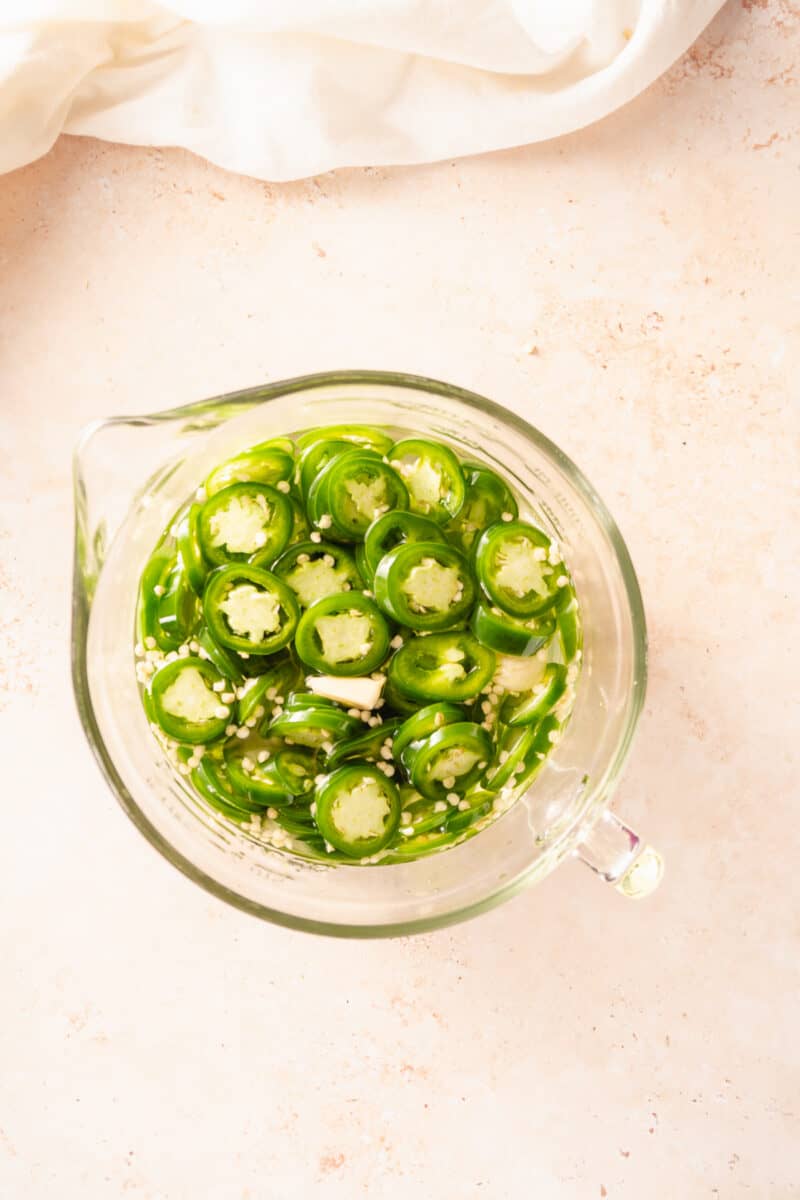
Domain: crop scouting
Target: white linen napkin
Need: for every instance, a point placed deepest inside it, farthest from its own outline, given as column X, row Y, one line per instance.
column 282, row 89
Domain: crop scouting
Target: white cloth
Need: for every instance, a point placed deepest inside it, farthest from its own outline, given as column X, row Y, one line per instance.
column 286, row 88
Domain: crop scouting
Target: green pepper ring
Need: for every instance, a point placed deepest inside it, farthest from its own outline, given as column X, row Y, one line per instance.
column 342, row 602
column 227, row 662
column 523, row 745
column 532, row 706
column 155, row 575
column 282, row 677
column 343, row 564
column 510, row 635
column 487, row 497
column 460, row 734
column 218, row 774
column 329, row 792
column 211, row 786
column 313, row 460
column 412, row 667
column 278, row 526
column 423, row 723
column 394, row 570
column 357, row 435
column 264, row 463
column 272, row 781
column 452, row 496
column 420, row 814
column 191, row 732
column 313, row 726
column 257, row 784
column 458, row 820
column 324, row 496
column 176, row 608
column 568, row 620
column 366, row 745
column 233, row 575
column 397, row 528
column 190, row 549
column 330, row 498
column 489, row 546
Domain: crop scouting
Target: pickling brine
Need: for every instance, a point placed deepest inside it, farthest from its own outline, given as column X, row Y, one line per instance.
column 355, row 646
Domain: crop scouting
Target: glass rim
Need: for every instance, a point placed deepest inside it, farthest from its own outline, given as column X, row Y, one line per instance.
column 247, row 398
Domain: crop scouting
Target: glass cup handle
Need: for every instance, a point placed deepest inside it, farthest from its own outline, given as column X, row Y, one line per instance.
column 620, row 857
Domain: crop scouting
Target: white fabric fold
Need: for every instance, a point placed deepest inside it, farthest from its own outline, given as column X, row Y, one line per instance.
column 282, row 89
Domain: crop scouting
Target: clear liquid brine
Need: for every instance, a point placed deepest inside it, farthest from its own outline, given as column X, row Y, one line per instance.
column 353, row 645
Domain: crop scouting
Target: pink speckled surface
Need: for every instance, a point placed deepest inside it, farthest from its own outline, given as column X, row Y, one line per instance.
column 156, row 1044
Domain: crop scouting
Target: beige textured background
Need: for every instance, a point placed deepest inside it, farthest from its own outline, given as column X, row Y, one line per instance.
column 155, row 1044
